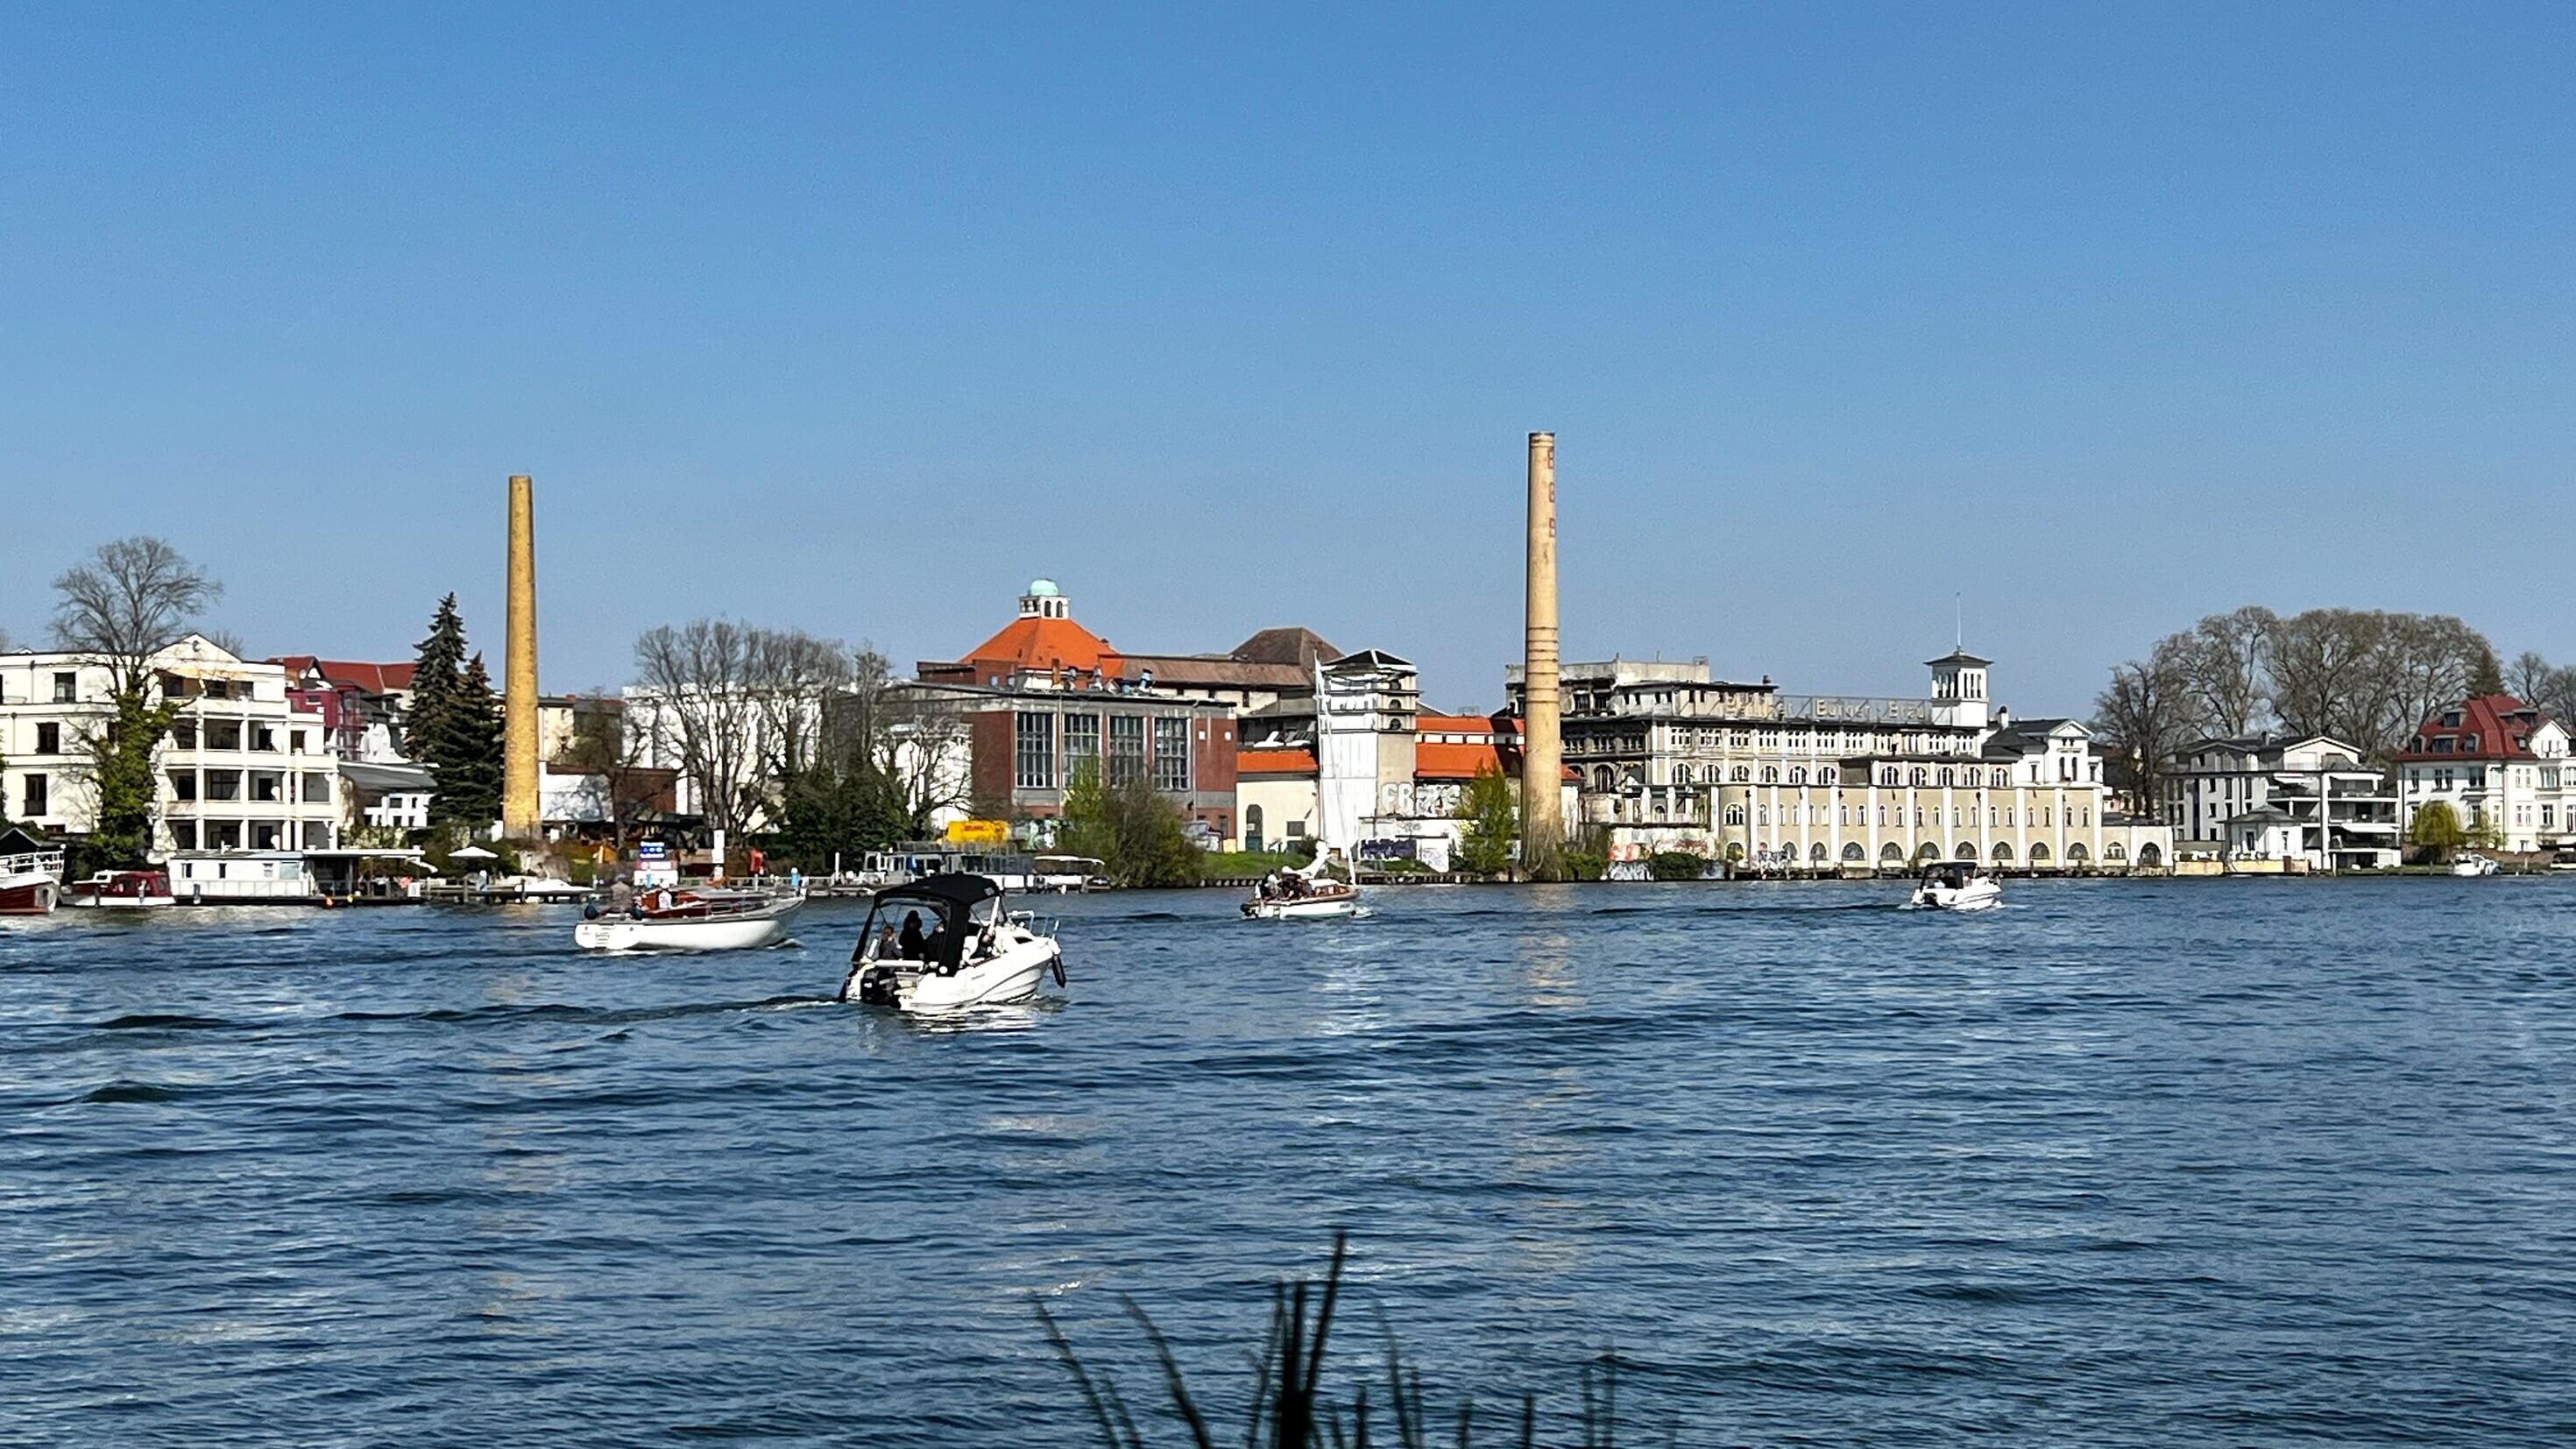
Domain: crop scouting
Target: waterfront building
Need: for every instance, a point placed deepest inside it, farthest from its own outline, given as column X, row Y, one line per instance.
column 1044, row 643
column 2502, row 766
column 365, row 707
column 1671, row 759
column 1364, row 771
column 2276, row 797
column 1024, row 742
column 247, row 765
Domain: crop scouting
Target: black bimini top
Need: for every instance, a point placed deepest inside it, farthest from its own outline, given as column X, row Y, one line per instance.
column 954, row 890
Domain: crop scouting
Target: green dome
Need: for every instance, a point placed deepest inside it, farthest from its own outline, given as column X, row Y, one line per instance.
column 1044, row 589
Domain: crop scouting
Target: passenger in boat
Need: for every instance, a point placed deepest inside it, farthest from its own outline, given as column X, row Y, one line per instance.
column 621, row 897
column 886, row 948
column 912, row 941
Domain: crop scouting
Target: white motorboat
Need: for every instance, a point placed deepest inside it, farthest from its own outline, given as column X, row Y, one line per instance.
column 704, row 919
column 122, row 890
column 1304, row 894
column 957, row 946
column 31, row 883
column 2475, row 865
column 1955, row 885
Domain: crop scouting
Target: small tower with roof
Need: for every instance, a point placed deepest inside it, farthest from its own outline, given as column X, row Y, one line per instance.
column 1045, row 601
column 1959, row 689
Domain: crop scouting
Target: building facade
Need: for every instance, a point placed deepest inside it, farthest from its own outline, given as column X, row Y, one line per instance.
column 246, row 765
column 2298, row 797
column 1670, row 759
column 2503, row 768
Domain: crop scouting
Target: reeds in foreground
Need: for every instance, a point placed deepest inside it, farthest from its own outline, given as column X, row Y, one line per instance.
column 1289, row 1409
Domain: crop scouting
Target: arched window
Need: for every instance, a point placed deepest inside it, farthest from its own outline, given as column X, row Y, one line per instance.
column 2001, row 779
column 1931, row 851
column 1946, row 780
column 1252, row 828
column 1816, row 852
column 1967, row 850
column 1921, row 775
column 2115, row 851
column 1681, row 774
column 2150, row 856
column 1743, row 774
column 1770, row 774
column 1603, row 780
column 1854, row 852
column 1735, row 850
column 2039, row 852
column 1827, row 776
column 1734, row 814
column 1797, row 774
column 2003, row 850
column 1887, row 776
column 1891, row 851
column 2076, row 854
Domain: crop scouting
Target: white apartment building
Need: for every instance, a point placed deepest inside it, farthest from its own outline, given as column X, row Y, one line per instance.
column 2502, row 766
column 244, row 767
column 2305, row 797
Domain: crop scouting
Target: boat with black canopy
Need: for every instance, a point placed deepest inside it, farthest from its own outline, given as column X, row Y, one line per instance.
column 949, row 941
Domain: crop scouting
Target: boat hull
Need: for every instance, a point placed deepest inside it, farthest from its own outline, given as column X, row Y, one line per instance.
column 1309, row 910
column 83, row 902
column 1981, row 895
column 29, row 896
column 745, row 932
column 1016, row 974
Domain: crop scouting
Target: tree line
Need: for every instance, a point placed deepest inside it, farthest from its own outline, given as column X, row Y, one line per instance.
column 2367, row 677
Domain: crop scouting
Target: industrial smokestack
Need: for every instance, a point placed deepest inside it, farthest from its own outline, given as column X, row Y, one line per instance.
column 520, row 815
column 1542, row 749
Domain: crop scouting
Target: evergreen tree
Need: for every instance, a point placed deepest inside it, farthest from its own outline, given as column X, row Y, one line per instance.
column 434, row 674
column 2486, row 676
column 463, row 750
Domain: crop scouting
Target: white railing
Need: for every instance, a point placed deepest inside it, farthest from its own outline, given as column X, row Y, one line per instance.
column 49, row 862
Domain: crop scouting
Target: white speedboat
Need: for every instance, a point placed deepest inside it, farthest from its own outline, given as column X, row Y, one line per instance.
column 690, row 920
column 945, row 942
column 122, row 890
column 1305, row 894
column 31, row 883
column 1955, row 885
column 2475, row 865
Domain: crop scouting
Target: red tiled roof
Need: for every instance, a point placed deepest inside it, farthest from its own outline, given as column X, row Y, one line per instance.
column 1042, row 643
column 2491, row 727
column 371, row 678
column 1458, row 762
column 1273, row 763
column 1459, row 724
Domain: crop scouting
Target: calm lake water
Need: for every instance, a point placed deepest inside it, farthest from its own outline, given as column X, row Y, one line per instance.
column 2151, row 1163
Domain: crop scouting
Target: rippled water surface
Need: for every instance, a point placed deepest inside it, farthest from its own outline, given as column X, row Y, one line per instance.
column 2154, row 1163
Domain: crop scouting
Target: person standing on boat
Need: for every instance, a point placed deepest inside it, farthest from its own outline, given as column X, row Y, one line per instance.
column 621, row 897
column 910, row 942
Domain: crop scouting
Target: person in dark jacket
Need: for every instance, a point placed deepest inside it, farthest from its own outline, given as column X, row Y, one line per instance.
column 911, row 941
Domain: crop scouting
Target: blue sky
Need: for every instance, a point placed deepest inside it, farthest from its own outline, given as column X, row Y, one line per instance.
column 856, row 319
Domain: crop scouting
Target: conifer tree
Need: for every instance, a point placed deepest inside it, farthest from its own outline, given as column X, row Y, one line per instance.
column 433, row 679
column 465, row 752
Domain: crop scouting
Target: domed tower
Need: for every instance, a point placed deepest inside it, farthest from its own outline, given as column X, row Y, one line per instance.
column 1045, row 601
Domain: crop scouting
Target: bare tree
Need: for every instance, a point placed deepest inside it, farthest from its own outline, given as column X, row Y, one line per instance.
column 698, row 709
column 134, row 598
column 916, row 739
column 2224, row 667
column 2527, row 678
column 2149, row 710
column 791, row 676
column 602, row 745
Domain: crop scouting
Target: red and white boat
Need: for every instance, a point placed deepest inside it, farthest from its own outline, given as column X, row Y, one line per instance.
column 31, row 884
column 122, row 890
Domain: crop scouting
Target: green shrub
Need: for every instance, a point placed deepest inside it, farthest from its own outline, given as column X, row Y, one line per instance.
column 1676, row 865
column 1586, row 865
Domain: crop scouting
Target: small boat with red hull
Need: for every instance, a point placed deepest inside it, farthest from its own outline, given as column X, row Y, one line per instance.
column 122, row 890
column 31, row 883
